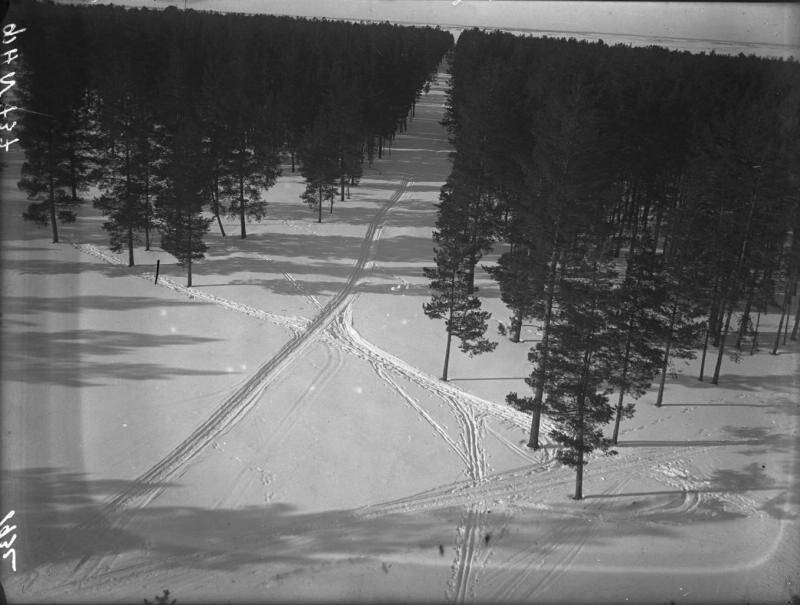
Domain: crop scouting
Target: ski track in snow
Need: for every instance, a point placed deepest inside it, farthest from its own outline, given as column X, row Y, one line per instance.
column 314, row 300
column 550, row 555
column 150, row 484
column 475, row 493
column 462, row 582
column 277, row 434
column 527, row 573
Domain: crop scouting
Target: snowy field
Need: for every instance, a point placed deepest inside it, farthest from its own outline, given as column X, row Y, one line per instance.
column 279, row 433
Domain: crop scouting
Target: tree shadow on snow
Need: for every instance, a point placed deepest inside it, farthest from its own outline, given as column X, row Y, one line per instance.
column 58, row 357
column 782, row 383
column 58, row 510
column 24, row 305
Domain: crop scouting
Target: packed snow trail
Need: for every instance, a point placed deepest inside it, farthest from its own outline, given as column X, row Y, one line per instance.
column 145, row 487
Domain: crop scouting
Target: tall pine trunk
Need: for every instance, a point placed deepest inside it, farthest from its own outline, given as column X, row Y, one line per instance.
column 723, row 337
column 667, row 349
column 516, row 327
column 147, row 217
column 449, row 323
column 788, row 311
column 130, row 245
column 319, row 217
column 745, row 315
column 242, row 211
column 536, row 419
column 215, row 195
column 581, row 418
column 754, row 344
column 710, row 323
column 705, row 351
column 447, row 355
column 784, row 312
column 618, row 417
column 131, row 202
column 53, row 224
column 579, row 468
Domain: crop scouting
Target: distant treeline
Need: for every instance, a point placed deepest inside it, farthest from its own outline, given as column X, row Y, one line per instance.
column 172, row 112
column 647, row 203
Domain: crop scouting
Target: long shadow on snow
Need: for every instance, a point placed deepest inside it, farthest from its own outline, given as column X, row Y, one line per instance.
column 748, row 436
column 248, row 254
column 56, row 357
column 54, row 507
column 49, row 503
column 24, row 305
column 68, row 267
column 769, row 384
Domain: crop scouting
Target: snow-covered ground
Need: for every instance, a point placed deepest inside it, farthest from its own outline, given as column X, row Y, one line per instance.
column 278, row 432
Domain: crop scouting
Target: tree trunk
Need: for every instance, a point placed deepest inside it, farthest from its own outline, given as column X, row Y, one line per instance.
column 130, row 245
column 447, row 356
column 746, row 315
column 723, row 337
column 788, row 312
column 665, row 364
column 242, row 211
column 784, row 310
column 449, row 323
column 705, row 350
column 130, row 203
column 341, row 196
column 754, row 344
column 73, row 171
column 711, row 325
column 618, row 417
column 215, row 194
column 53, row 224
column 657, row 230
column 319, row 217
column 538, row 406
column 796, row 324
column 516, row 327
column 579, row 468
column 292, row 154
column 189, row 273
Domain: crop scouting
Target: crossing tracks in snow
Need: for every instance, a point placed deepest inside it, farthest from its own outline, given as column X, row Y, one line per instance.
column 145, row 487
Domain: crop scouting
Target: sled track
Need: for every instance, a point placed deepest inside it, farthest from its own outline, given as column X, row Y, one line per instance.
column 145, row 487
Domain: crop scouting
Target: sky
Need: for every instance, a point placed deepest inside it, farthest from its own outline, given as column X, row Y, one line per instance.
column 768, row 29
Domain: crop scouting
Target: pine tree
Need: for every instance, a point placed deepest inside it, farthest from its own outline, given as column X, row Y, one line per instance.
column 319, row 164
column 583, row 346
column 46, row 179
column 638, row 308
column 453, row 300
